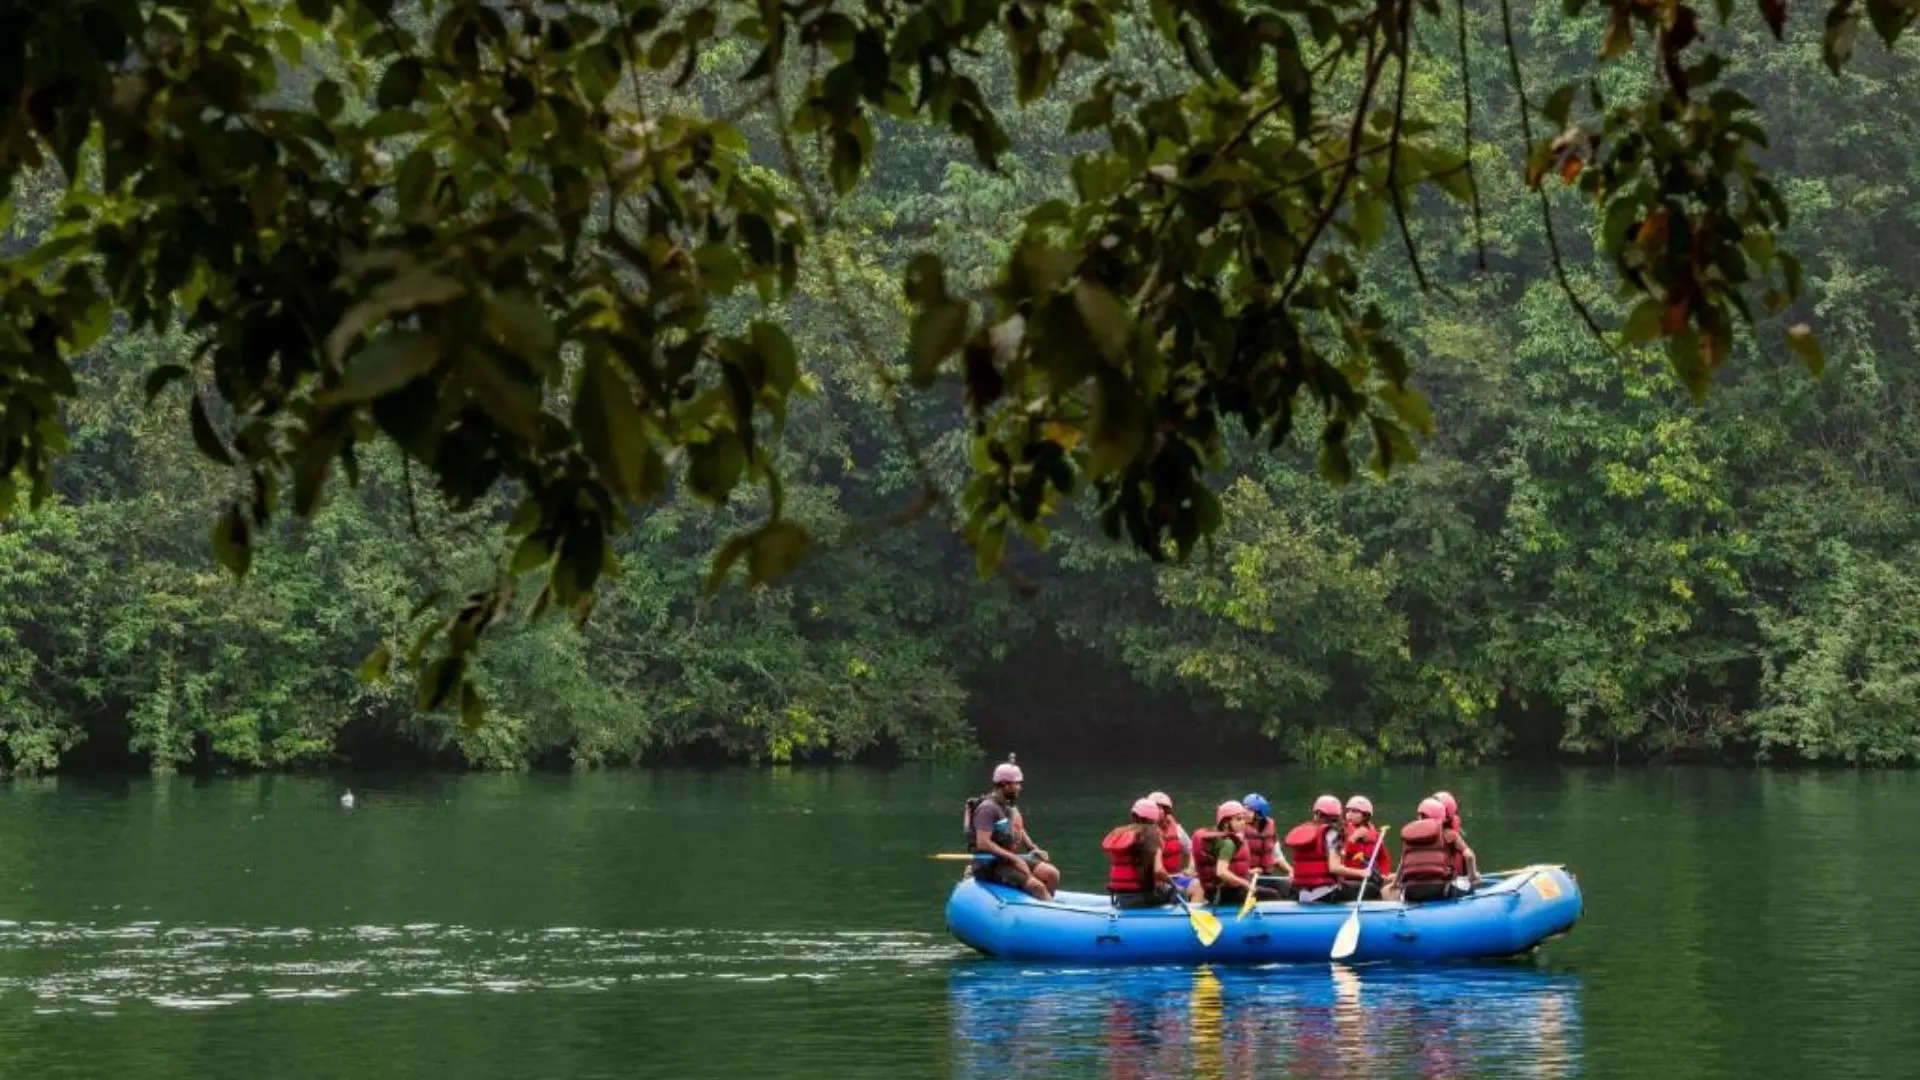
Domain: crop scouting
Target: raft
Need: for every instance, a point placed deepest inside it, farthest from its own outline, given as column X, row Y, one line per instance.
column 1504, row 916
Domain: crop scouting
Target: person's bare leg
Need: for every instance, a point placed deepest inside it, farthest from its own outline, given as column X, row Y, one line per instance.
column 1048, row 874
column 1037, row 888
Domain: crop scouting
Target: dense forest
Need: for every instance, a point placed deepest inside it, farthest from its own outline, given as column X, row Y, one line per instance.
column 1582, row 560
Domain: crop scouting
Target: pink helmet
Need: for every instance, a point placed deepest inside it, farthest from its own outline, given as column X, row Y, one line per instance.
column 1362, row 804
column 1328, row 805
column 1432, row 808
column 1161, row 798
column 1146, row 808
column 1006, row 773
column 1447, row 801
column 1229, row 809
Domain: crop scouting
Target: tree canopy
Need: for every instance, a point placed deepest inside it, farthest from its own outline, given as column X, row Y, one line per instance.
column 556, row 255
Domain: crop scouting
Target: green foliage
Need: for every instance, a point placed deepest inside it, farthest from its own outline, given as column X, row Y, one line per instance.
column 596, row 309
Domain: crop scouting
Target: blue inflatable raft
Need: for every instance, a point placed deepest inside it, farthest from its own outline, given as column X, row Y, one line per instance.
column 1504, row 916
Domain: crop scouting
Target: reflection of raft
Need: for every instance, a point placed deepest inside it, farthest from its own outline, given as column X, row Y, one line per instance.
column 1502, row 917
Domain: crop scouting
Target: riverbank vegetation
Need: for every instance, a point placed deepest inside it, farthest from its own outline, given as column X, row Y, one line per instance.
column 1585, row 559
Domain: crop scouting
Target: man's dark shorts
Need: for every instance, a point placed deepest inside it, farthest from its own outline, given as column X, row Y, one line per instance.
column 1000, row 873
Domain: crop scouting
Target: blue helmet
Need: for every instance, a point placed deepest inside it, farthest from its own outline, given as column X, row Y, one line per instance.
column 1257, row 804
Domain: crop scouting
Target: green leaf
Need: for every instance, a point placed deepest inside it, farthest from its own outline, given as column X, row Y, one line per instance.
column 1804, row 345
column 1643, row 324
column 724, row 559
column 400, row 84
column 203, row 433
column 1891, row 18
column 521, row 324
column 776, row 351
column 159, row 378
column 385, row 365
column 778, row 547
column 413, row 183
column 938, row 331
column 714, row 466
column 1559, row 105
column 532, row 553
column 438, row 683
column 613, row 431
column 1836, row 44
column 989, row 547
column 327, row 99
column 1683, row 353
column 232, row 540
column 1106, row 321
column 374, row 667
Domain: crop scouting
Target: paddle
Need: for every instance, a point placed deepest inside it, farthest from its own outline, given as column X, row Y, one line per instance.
column 1205, row 926
column 1348, row 939
column 951, row 856
column 1253, row 891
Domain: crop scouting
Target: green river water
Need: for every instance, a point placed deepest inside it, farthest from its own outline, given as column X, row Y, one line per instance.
column 787, row 923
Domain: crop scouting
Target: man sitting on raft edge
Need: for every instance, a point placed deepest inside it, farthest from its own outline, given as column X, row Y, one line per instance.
column 1003, row 851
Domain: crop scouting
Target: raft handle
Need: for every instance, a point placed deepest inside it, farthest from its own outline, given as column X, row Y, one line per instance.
column 1106, row 939
column 1255, row 939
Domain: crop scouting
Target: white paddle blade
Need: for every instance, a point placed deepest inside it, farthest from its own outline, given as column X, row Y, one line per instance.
column 1347, row 941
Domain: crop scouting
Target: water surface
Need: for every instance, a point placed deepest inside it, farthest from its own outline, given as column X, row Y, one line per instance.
column 788, row 922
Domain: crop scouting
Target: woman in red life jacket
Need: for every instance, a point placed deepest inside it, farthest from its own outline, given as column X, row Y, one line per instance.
column 1263, row 842
column 1319, row 874
column 1135, row 877
column 1220, row 855
column 1176, row 850
column 1427, row 853
column 1356, row 846
column 1465, row 863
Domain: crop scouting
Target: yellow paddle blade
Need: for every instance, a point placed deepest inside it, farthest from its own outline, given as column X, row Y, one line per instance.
column 1247, row 904
column 1205, row 926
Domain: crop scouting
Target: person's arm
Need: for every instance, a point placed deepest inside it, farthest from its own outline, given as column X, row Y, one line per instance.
column 1022, row 836
column 1223, row 863
column 1473, row 862
column 983, row 839
column 1337, row 861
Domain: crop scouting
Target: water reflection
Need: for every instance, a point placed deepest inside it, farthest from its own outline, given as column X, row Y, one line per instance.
column 1456, row 1021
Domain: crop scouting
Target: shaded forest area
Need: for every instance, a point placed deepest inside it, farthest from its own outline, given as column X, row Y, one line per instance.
column 1582, row 562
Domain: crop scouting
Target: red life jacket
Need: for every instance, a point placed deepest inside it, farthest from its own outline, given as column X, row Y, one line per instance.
column 1426, row 853
column 1204, row 859
column 1260, row 845
column 1123, row 873
column 1307, row 851
column 1172, row 858
column 1359, row 845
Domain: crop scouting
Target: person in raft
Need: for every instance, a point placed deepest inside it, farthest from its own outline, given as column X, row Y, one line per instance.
column 1136, row 877
column 1428, row 856
column 1313, row 847
column 1176, row 849
column 1263, row 845
column 1357, row 847
column 1466, row 865
column 1223, row 860
column 1003, row 851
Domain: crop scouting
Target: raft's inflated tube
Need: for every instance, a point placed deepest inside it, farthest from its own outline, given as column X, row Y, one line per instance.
column 1500, row 918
